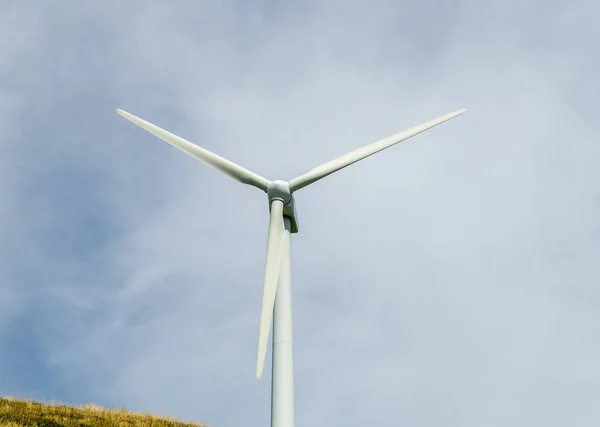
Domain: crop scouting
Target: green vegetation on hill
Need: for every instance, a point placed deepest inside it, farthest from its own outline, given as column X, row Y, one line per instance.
column 18, row 413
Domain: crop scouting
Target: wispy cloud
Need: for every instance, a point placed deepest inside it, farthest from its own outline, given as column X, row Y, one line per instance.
column 452, row 279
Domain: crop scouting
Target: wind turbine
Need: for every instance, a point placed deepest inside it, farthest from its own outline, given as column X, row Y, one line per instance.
column 277, row 296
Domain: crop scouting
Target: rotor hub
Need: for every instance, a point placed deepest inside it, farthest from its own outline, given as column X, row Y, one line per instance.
column 279, row 190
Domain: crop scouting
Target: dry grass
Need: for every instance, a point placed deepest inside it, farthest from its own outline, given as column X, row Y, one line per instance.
column 20, row 413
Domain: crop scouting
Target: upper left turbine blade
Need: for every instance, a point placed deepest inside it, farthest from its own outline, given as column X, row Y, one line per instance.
column 211, row 159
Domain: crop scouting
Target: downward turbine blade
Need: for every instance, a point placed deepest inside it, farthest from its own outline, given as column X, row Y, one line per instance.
column 272, row 267
column 225, row 166
column 366, row 151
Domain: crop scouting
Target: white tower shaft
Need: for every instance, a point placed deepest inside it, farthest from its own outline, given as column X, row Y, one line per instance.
column 282, row 381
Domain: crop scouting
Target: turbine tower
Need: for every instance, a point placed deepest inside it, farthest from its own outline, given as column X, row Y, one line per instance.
column 277, row 295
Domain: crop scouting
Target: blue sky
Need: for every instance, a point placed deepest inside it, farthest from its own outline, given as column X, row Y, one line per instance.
column 453, row 279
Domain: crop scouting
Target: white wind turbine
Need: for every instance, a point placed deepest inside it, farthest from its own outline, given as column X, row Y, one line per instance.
column 277, row 296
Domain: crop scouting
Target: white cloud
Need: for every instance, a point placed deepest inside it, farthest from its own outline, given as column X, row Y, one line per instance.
column 450, row 279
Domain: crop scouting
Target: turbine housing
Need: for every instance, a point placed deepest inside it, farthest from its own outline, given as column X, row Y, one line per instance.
column 281, row 190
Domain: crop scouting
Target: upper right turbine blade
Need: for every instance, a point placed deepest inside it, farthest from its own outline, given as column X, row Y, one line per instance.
column 366, row 151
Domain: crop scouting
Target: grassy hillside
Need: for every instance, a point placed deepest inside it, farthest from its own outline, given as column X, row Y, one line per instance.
column 18, row 413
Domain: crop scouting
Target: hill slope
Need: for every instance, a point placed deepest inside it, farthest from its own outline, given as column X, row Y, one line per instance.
column 17, row 413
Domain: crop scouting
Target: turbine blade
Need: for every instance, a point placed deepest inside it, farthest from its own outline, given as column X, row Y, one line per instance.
column 272, row 268
column 366, row 151
column 225, row 166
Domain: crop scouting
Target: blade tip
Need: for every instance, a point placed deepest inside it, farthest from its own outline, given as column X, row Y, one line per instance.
column 455, row 114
